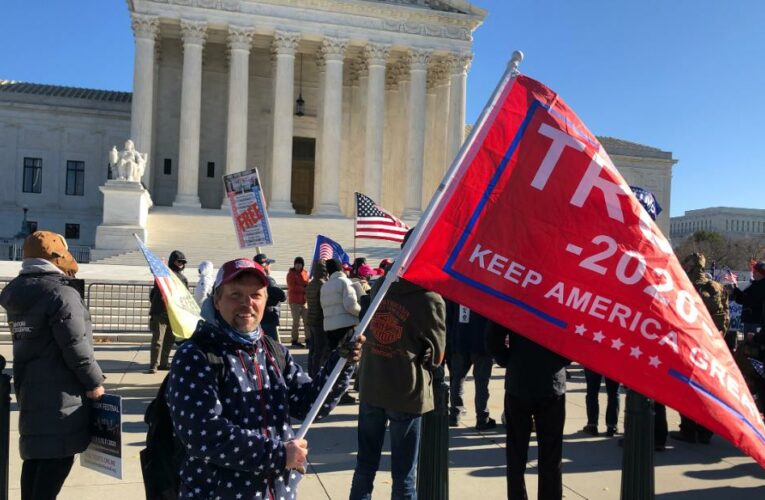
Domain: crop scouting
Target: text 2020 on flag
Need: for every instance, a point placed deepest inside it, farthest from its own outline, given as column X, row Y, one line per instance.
column 374, row 222
column 536, row 230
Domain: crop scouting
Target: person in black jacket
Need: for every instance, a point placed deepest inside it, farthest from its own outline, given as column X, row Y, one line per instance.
column 535, row 390
column 55, row 372
column 162, row 337
column 270, row 321
column 752, row 299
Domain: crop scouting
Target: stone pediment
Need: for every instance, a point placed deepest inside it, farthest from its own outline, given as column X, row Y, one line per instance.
column 456, row 6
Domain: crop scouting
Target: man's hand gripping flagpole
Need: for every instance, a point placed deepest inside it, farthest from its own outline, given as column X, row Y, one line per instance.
column 412, row 243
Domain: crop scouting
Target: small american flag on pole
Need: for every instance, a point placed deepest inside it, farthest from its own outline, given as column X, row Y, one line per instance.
column 376, row 223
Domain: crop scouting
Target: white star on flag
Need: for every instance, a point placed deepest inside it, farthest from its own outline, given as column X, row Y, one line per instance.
column 598, row 336
column 654, row 361
column 580, row 329
column 617, row 344
column 635, row 352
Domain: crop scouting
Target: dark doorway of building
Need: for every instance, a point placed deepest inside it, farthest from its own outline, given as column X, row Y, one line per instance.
column 303, row 168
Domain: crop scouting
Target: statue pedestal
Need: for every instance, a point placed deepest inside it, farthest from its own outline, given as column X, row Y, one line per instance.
column 126, row 211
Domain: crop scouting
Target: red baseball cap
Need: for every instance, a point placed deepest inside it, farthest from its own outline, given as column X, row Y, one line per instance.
column 233, row 268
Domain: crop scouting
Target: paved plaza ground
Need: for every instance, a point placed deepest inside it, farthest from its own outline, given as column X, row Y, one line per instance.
column 591, row 466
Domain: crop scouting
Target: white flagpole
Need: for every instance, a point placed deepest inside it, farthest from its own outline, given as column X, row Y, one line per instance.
column 413, row 242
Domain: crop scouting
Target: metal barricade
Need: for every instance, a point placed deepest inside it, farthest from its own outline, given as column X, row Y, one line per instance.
column 118, row 307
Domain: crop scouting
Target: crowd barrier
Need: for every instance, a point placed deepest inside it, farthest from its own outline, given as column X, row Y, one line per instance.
column 123, row 308
column 12, row 250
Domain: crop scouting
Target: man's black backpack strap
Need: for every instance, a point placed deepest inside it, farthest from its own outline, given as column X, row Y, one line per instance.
column 275, row 348
column 163, row 456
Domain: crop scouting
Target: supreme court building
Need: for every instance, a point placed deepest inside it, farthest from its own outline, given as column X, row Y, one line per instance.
column 324, row 97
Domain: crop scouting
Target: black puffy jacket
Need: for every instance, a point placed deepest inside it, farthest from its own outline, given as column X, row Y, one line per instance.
column 53, row 364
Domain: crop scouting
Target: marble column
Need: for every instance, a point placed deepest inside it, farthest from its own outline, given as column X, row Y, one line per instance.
column 239, row 43
column 194, row 36
column 321, row 69
column 333, row 50
column 442, row 121
column 458, row 66
column 376, row 56
column 145, row 29
column 284, row 45
column 418, row 60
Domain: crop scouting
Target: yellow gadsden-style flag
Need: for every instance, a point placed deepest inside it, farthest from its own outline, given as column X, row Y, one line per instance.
column 182, row 309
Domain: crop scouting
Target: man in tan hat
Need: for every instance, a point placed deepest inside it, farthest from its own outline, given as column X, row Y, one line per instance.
column 54, row 366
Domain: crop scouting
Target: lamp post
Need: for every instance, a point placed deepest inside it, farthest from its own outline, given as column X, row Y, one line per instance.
column 300, row 103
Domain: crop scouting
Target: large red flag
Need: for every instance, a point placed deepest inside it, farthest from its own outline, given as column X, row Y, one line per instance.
column 536, row 230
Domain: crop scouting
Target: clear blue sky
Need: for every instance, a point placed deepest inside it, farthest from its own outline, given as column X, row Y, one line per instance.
column 686, row 76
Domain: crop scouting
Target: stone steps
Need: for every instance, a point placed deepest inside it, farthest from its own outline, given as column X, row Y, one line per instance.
column 204, row 234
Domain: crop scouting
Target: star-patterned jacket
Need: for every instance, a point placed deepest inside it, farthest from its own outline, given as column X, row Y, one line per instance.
column 234, row 420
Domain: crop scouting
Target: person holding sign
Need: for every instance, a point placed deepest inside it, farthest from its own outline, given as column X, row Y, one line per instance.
column 54, row 367
column 232, row 391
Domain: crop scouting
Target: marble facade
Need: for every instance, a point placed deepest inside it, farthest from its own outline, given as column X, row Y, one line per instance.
column 216, row 83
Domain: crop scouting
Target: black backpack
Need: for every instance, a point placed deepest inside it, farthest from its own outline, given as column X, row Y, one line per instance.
column 164, row 454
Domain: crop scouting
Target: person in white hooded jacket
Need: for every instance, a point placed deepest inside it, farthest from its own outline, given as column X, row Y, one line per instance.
column 339, row 303
column 205, row 284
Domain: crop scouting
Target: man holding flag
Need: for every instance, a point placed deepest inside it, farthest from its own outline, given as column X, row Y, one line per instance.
column 232, row 392
column 594, row 280
column 162, row 337
column 534, row 228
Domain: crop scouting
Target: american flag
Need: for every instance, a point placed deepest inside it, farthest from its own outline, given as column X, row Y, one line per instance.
column 376, row 223
column 182, row 309
column 729, row 277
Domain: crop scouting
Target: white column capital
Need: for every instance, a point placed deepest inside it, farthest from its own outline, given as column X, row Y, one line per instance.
column 239, row 38
column 193, row 32
column 376, row 54
column 333, row 49
column 145, row 26
column 285, row 42
column 418, row 59
column 459, row 64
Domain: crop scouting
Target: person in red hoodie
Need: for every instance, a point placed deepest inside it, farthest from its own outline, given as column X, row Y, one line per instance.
column 297, row 279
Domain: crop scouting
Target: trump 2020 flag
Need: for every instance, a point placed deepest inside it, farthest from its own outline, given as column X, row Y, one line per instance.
column 535, row 229
column 327, row 248
column 182, row 310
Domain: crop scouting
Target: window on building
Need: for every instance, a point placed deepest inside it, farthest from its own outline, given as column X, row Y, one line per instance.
column 72, row 231
column 210, row 169
column 32, row 175
column 75, row 178
column 31, row 226
column 168, row 167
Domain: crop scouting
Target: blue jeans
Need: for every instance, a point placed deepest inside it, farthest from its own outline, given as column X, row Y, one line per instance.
column 404, row 445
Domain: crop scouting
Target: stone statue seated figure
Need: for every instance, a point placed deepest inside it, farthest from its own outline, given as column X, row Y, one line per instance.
column 128, row 164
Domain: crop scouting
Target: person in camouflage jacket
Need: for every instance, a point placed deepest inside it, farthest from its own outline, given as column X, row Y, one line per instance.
column 716, row 301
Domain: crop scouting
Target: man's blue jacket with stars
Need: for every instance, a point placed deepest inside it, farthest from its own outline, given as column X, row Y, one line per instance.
column 234, row 420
